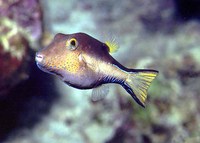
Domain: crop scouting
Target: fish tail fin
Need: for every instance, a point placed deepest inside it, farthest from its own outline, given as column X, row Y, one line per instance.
column 137, row 84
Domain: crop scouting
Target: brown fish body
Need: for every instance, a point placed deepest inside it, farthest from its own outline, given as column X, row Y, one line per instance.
column 84, row 68
column 83, row 62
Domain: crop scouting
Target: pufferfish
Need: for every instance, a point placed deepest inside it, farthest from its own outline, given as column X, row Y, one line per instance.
column 84, row 62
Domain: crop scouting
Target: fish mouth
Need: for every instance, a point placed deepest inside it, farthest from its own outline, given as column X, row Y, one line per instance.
column 39, row 57
column 41, row 64
column 46, row 69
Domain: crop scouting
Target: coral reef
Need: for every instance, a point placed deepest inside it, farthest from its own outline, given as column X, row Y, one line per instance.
column 27, row 14
column 13, row 55
column 20, row 28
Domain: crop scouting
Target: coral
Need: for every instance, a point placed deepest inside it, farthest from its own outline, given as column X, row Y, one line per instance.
column 27, row 15
column 13, row 54
column 20, row 30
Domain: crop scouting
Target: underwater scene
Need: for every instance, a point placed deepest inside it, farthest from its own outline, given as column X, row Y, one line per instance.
column 99, row 71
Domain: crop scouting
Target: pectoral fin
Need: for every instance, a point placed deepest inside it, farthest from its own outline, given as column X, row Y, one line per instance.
column 99, row 92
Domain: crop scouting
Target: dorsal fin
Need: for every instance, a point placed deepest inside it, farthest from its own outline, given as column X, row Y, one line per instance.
column 112, row 45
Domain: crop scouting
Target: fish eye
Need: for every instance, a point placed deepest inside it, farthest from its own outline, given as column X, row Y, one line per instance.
column 72, row 44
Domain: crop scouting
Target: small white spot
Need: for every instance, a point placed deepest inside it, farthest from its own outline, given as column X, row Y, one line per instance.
column 80, row 57
column 38, row 58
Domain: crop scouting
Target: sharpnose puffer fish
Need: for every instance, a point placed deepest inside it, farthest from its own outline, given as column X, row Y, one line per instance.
column 84, row 62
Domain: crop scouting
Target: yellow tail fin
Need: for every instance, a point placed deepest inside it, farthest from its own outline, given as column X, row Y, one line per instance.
column 137, row 84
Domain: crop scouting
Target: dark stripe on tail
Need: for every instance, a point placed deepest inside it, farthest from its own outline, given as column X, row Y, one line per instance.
column 130, row 91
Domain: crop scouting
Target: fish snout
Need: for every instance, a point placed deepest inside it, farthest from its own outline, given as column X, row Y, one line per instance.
column 39, row 57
